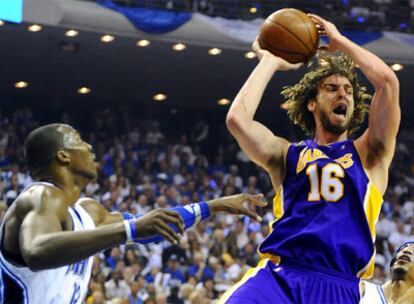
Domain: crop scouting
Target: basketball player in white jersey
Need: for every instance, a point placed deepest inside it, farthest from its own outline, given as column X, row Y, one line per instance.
column 400, row 289
column 48, row 235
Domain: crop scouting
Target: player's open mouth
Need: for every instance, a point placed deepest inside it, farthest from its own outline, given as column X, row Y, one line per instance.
column 340, row 110
column 405, row 258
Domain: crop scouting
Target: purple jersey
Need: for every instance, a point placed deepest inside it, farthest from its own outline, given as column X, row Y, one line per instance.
column 326, row 210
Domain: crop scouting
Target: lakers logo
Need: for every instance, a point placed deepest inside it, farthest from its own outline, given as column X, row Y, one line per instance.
column 309, row 155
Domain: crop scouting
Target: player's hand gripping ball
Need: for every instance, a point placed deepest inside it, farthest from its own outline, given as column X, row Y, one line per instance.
column 290, row 34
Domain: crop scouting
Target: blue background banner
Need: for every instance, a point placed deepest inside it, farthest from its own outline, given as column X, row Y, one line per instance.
column 11, row 10
column 149, row 20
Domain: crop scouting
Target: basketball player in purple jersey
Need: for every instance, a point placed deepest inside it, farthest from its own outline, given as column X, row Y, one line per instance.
column 328, row 189
column 49, row 233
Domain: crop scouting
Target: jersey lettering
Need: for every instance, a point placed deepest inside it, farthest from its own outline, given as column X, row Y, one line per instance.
column 76, row 294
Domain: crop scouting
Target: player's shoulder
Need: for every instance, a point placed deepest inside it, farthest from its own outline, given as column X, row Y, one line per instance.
column 41, row 196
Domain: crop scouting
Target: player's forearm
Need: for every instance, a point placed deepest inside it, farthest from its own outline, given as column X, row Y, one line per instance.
column 376, row 70
column 64, row 248
column 247, row 100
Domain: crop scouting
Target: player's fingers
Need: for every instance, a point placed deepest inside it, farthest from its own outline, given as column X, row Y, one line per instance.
column 168, row 232
column 177, row 222
column 257, row 200
column 177, row 216
column 256, row 45
column 251, row 214
column 317, row 18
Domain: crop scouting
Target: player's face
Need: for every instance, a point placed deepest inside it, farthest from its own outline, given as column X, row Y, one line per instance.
column 334, row 104
column 403, row 266
column 82, row 156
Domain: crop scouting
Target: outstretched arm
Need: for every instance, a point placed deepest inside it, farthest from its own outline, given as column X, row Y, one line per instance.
column 257, row 141
column 377, row 144
column 191, row 214
column 45, row 245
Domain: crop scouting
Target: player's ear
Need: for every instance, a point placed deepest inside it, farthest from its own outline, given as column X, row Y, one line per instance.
column 311, row 105
column 63, row 158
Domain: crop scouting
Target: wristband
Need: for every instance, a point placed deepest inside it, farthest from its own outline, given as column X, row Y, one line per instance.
column 128, row 231
column 127, row 216
column 133, row 229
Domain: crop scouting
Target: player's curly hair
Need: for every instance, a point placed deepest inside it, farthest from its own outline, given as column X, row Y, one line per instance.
column 324, row 65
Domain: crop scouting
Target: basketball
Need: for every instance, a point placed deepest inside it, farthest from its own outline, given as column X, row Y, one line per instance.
column 290, row 34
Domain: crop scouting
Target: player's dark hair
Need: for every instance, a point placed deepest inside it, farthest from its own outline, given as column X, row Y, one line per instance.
column 324, row 65
column 40, row 146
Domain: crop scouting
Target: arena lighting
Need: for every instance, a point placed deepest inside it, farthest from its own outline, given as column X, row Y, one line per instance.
column 223, row 102
column 159, row 97
column 84, row 90
column 253, row 10
column 21, row 84
column 34, row 28
column 397, row 67
column 143, row 43
column 179, row 47
column 71, row 33
column 107, row 38
column 214, row 51
column 250, row 55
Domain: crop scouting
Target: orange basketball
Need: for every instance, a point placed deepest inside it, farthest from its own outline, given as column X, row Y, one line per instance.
column 289, row 33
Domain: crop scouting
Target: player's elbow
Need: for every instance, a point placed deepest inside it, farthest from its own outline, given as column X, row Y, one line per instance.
column 388, row 79
column 36, row 260
column 233, row 122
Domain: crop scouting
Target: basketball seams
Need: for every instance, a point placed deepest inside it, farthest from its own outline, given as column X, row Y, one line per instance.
column 293, row 34
column 273, row 49
column 303, row 18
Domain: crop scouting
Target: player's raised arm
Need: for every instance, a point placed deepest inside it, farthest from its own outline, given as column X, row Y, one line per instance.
column 377, row 144
column 257, row 141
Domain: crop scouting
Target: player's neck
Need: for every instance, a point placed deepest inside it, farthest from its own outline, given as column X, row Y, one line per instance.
column 68, row 183
column 323, row 137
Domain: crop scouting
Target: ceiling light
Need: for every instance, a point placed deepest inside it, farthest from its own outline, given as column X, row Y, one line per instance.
column 250, row 55
column 84, row 90
column 253, row 10
column 107, row 38
column 179, row 47
column 34, row 28
column 214, row 51
column 397, row 67
column 143, row 43
column 1, row 22
column 223, row 102
column 71, row 33
column 21, row 85
column 159, row 97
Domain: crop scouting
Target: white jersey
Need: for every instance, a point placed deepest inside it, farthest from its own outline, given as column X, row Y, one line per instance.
column 373, row 294
column 63, row 285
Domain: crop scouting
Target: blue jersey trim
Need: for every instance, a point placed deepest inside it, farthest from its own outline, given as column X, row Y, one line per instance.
column 17, row 280
column 2, row 287
column 381, row 294
column 78, row 215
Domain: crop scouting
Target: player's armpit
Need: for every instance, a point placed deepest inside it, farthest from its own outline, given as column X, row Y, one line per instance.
column 261, row 146
column 99, row 214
